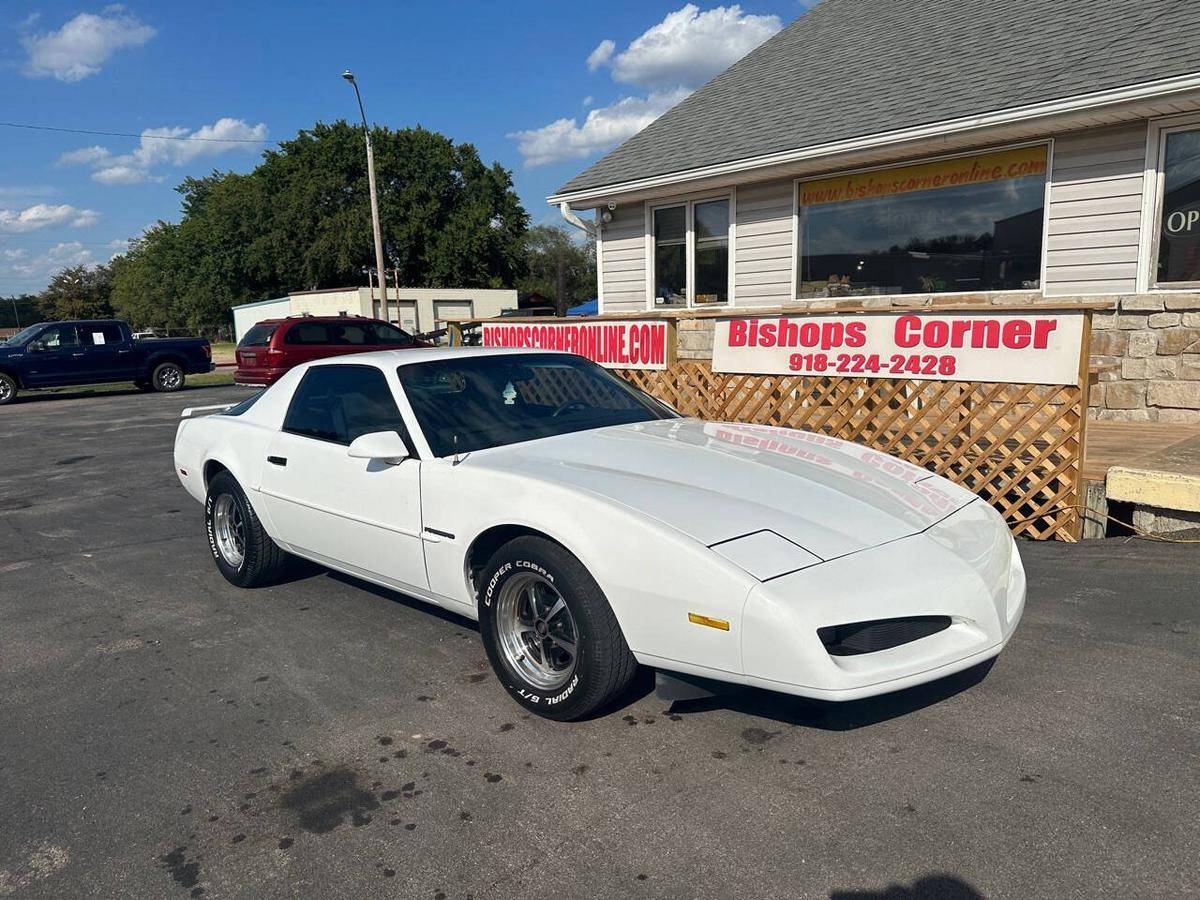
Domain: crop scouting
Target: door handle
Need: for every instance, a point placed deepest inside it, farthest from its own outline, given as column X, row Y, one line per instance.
column 78, row 355
column 277, row 460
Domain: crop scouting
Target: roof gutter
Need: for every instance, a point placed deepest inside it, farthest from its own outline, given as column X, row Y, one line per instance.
column 1067, row 105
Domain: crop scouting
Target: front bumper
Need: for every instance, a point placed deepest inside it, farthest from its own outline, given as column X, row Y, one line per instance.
column 966, row 567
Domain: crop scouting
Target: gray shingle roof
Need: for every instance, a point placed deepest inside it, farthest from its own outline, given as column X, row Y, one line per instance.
column 850, row 68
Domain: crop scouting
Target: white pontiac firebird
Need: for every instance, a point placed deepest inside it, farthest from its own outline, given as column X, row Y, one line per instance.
column 589, row 528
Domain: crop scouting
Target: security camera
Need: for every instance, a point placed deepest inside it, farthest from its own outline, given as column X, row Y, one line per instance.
column 611, row 206
column 606, row 217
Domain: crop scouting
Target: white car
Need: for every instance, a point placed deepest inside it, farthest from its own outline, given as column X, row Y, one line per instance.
column 589, row 528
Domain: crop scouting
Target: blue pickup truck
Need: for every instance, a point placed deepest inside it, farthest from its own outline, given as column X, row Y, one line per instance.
column 53, row 354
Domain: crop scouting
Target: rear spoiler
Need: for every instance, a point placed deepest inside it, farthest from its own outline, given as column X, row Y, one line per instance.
column 193, row 411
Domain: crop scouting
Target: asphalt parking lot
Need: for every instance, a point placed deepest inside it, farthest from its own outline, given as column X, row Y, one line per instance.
column 163, row 734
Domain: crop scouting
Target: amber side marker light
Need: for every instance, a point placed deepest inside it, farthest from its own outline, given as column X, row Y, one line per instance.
column 697, row 619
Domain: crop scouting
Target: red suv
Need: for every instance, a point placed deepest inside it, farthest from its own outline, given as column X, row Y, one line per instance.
column 273, row 346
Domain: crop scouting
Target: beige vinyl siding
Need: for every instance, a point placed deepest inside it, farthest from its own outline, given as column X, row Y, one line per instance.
column 623, row 259
column 1095, row 211
column 762, row 255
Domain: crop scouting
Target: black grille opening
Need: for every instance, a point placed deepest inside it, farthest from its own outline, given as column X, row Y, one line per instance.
column 854, row 638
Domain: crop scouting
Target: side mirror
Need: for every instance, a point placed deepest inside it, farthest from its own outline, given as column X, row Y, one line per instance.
column 384, row 445
column 35, row 346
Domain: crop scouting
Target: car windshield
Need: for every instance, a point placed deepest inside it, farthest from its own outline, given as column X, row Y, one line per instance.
column 477, row 402
column 23, row 335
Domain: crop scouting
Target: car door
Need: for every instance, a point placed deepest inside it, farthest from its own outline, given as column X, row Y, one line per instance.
column 356, row 515
column 305, row 341
column 107, row 352
column 56, row 357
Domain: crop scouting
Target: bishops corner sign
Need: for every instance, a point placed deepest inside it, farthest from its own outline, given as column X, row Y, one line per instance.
column 1024, row 347
column 614, row 345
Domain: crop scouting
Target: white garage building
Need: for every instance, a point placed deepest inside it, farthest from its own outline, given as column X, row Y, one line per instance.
column 417, row 310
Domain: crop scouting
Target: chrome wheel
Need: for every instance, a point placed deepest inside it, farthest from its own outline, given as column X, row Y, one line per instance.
column 6, row 390
column 229, row 530
column 537, row 631
column 169, row 377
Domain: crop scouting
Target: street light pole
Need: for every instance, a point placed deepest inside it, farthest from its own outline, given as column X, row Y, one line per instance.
column 349, row 76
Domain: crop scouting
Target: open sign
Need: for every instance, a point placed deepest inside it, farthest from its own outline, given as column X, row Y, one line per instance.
column 1181, row 221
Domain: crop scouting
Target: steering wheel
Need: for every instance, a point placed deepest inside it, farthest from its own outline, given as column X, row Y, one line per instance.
column 563, row 407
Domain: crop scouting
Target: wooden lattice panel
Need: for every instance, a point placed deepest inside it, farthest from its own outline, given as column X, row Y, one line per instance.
column 1019, row 446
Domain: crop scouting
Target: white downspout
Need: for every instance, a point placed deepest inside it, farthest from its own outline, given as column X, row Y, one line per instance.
column 569, row 214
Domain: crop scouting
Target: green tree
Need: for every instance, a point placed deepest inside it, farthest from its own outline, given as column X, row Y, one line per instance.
column 560, row 266
column 302, row 220
column 19, row 310
column 78, row 292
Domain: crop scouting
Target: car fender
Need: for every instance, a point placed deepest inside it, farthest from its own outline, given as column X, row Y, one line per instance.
column 234, row 445
column 652, row 575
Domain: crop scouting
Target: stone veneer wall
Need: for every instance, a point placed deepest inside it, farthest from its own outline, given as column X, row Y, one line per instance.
column 1147, row 350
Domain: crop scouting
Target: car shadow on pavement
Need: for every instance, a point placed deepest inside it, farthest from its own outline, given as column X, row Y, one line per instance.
column 440, row 612
column 48, row 396
column 843, row 716
column 938, row 886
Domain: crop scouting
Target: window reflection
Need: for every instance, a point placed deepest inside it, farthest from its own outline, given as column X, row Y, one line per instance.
column 670, row 256
column 1179, row 222
column 983, row 236
column 712, row 251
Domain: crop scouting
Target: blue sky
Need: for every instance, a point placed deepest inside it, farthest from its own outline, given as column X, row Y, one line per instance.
column 519, row 80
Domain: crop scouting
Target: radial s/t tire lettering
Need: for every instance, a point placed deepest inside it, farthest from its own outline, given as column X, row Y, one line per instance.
column 549, row 632
column 242, row 549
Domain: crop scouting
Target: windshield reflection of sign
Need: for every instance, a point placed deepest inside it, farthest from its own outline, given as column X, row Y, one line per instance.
column 921, row 491
column 615, row 345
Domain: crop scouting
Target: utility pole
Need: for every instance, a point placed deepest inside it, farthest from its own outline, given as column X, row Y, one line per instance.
column 349, row 76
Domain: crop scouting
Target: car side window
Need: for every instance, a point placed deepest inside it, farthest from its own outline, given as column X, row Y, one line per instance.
column 389, row 335
column 340, row 403
column 59, row 337
column 100, row 333
column 307, row 333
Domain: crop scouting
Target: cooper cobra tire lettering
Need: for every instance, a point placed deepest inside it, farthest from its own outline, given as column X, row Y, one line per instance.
column 602, row 667
column 491, row 588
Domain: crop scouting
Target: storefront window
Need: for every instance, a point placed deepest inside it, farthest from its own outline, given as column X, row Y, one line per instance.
column 712, row 251
column 1179, row 219
column 964, row 224
column 670, row 256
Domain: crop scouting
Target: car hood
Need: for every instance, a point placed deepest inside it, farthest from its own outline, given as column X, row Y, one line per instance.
column 715, row 481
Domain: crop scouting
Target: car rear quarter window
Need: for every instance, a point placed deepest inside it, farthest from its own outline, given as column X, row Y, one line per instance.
column 340, row 403
column 307, row 333
column 258, row 336
column 391, row 336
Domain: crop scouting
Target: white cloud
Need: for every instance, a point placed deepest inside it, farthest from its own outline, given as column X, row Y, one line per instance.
column 84, row 156
column 670, row 60
column 601, row 55
column 689, row 47
column 589, row 100
column 43, row 215
column 162, row 147
column 123, row 174
column 82, row 46
column 21, row 265
column 604, row 127
column 25, row 191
